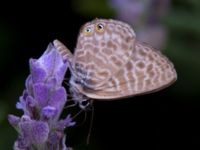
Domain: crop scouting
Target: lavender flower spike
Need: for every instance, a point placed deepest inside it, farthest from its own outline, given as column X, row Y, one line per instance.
column 42, row 103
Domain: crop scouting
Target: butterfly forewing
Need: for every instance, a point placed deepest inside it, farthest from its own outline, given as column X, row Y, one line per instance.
column 63, row 50
column 101, row 55
column 147, row 71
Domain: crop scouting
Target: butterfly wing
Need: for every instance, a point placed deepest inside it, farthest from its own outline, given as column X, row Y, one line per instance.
column 63, row 50
column 147, row 71
column 97, row 57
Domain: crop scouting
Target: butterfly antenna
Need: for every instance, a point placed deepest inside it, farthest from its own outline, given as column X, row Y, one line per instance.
column 71, row 105
column 75, row 116
column 70, row 96
column 85, row 117
column 90, row 126
column 66, row 81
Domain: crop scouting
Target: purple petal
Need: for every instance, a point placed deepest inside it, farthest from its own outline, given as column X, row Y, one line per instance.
column 32, row 107
column 22, row 100
column 40, row 131
column 50, row 64
column 57, row 140
column 38, row 73
column 54, row 138
column 19, row 105
column 29, row 85
column 31, row 102
column 52, row 82
column 35, row 131
column 25, row 118
column 13, row 120
column 21, row 144
column 41, row 94
column 51, row 60
column 58, row 99
column 60, row 74
column 67, row 122
column 48, row 112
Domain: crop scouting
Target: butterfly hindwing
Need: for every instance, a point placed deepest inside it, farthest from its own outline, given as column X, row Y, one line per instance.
column 147, row 71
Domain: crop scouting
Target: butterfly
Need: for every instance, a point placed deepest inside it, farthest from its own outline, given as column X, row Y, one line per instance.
column 109, row 63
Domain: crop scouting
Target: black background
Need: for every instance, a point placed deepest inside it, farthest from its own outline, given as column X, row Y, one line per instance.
column 162, row 120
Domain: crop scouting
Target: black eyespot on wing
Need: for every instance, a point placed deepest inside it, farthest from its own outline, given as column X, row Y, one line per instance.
column 100, row 26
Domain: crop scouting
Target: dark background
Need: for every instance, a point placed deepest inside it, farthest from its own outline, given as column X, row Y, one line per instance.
column 168, row 119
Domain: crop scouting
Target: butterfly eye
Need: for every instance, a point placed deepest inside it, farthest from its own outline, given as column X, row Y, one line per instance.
column 84, row 104
column 100, row 27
